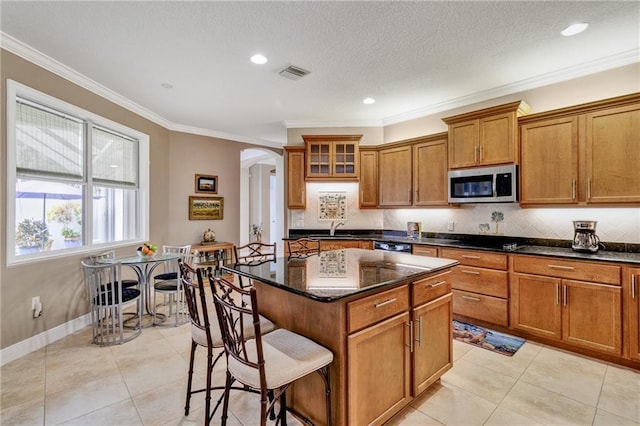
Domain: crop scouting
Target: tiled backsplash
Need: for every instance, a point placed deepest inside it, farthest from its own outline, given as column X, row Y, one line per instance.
column 614, row 224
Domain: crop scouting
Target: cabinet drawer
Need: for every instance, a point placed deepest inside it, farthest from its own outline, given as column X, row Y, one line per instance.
column 425, row 250
column 431, row 288
column 479, row 258
column 486, row 308
column 480, row 280
column 379, row 306
column 583, row 271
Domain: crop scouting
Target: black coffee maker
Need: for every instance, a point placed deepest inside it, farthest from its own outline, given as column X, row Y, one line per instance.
column 584, row 237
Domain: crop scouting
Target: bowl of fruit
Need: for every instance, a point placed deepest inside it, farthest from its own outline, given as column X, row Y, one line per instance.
column 147, row 250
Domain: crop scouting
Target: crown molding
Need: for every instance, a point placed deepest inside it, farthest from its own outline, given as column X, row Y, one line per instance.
column 32, row 55
column 614, row 61
column 300, row 124
column 222, row 135
column 38, row 58
column 603, row 64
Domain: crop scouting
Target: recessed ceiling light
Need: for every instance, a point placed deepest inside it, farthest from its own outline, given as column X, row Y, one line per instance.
column 574, row 29
column 258, row 59
column 368, row 101
column 166, row 86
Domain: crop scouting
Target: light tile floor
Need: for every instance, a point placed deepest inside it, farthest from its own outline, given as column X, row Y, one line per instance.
column 142, row 382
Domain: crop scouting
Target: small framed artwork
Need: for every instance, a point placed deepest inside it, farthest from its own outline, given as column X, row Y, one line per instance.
column 207, row 184
column 206, row 208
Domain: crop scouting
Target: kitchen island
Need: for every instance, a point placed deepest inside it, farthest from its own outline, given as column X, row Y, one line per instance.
column 385, row 316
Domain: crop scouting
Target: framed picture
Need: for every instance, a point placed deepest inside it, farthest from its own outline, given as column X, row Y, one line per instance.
column 206, row 208
column 207, row 184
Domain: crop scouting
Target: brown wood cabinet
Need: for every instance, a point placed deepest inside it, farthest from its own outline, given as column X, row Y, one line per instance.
column 394, row 171
column 485, row 137
column 431, row 318
column 549, row 161
column 423, row 250
column 586, row 154
column 480, row 284
column 343, row 244
column 430, row 172
column 613, row 155
column 296, row 185
column 414, row 172
column 632, row 277
column 581, row 313
column 379, row 371
column 331, row 157
column 368, row 178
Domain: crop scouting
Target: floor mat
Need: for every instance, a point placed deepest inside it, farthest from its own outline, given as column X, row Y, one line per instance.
column 486, row 338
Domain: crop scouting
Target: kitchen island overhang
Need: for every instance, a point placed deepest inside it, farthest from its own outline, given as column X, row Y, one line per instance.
column 385, row 316
column 341, row 274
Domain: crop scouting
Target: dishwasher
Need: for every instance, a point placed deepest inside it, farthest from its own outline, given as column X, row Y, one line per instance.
column 392, row 246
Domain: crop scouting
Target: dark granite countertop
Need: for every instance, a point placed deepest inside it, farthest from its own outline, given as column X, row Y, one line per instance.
column 337, row 274
column 614, row 252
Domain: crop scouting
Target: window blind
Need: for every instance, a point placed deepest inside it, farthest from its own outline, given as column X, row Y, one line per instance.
column 115, row 158
column 48, row 143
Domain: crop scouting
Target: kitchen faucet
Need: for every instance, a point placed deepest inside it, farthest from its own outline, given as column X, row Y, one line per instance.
column 332, row 231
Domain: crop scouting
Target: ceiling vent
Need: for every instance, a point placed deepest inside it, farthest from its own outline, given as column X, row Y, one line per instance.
column 293, row 73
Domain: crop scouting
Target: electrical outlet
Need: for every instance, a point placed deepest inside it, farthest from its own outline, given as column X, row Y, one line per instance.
column 36, row 307
column 451, row 226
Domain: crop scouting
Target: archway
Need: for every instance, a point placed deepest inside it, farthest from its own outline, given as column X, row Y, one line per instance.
column 262, row 196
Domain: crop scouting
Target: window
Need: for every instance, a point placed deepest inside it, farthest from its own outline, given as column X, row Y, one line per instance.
column 75, row 180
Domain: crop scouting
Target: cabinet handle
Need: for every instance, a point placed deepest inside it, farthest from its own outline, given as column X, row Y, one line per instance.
column 386, row 302
column 573, row 189
column 480, row 151
column 475, row 153
column 564, row 268
column 475, row 299
column 470, row 272
column 470, row 256
column 557, row 294
column 588, row 188
column 633, row 286
column 410, row 345
column 419, row 339
column 564, row 295
column 439, row 283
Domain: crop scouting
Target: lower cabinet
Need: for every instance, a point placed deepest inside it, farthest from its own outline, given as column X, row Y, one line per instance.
column 632, row 276
column 343, row 244
column 480, row 284
column 392, row 360
column 379, row 371
column 583, row 314
column 432, row 342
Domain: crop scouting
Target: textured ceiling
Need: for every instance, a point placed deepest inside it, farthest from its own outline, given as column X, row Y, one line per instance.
column 412, row 57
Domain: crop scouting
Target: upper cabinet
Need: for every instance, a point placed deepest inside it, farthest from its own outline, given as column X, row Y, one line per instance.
column 296, row 185
column 414, row 172
column 430, row 172
column 395, row 176
column 582, row 155
column 332, row 157
column 368, row 178
column 485, row 137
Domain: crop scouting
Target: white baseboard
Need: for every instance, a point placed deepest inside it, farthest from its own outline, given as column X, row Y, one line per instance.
column 41, row 340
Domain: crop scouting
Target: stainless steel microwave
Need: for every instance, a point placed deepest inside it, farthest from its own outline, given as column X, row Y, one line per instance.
column 484, row 185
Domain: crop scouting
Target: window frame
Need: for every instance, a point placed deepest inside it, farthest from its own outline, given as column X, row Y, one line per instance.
column 14, row 90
